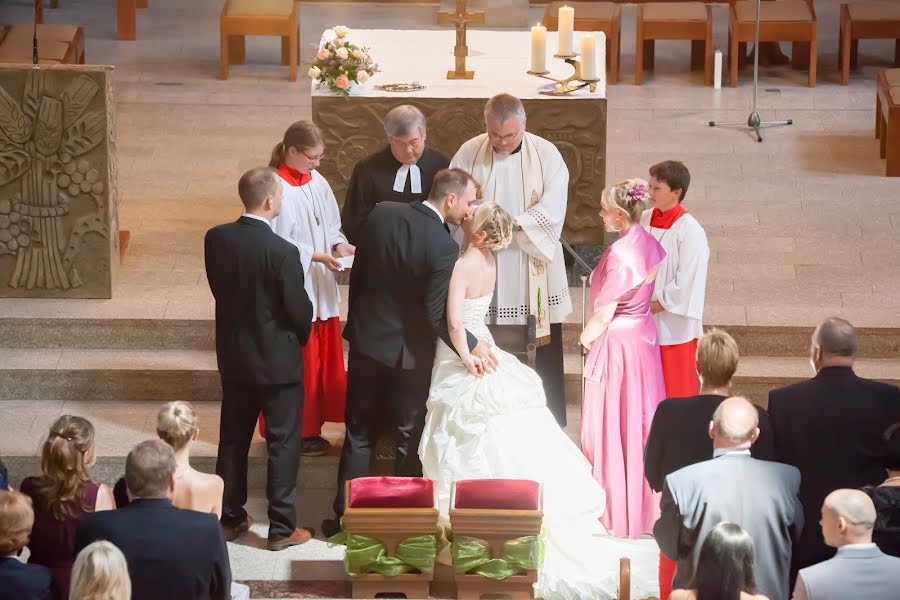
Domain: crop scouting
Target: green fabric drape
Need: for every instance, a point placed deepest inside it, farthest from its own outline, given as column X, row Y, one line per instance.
column 368, row 555
column 517, row 556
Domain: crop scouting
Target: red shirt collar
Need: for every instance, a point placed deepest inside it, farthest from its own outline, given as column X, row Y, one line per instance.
column 665, row 220
column 292, row 176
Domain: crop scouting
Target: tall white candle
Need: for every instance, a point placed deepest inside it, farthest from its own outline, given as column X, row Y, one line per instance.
column 566, row 30
column 717, row 71
column 538, row 48
column 601, row 61
column 588, row 57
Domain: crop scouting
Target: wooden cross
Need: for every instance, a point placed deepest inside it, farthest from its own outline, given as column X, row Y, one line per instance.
column 460, row 19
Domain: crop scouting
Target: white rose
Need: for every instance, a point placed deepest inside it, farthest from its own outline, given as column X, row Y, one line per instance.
column 314, row 73
column 342, row 53
column 358, row 53
column 362, row 77
column 341, row 31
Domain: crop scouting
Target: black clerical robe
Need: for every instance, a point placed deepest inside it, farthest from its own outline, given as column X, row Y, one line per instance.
column 373, row 182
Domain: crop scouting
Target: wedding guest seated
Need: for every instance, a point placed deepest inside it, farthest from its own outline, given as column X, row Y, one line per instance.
column 63, row 495
column 724, row 567
column 678, row 433
column 886, row 497
column 100, row 573
column 19, row 581
column 176, row 425
column 859, row 569
column 758, row 495
column 171, row 552
column 831, row 427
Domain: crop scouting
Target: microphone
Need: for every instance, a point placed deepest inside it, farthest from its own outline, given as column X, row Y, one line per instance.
column 34, row 51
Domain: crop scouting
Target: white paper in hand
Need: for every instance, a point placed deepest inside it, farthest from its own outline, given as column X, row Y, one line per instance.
column 346, row 262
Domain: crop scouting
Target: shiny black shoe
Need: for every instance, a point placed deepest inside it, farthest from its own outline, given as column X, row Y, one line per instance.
column 331, row 527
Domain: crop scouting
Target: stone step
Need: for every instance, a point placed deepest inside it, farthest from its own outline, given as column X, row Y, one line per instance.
column 199, row 334
column 157, row 375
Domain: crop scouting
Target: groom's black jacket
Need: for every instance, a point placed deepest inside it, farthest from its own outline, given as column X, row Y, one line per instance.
column 398, row 286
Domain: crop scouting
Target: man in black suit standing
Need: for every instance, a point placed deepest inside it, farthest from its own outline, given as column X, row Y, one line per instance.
column 171, row 552
column 398, row 308
column 830, row 427
column 263, row 316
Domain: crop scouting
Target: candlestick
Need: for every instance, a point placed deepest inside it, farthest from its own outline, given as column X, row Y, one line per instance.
column 717, row 71
column 539, row 48
column 566, row 29
column 588, row 57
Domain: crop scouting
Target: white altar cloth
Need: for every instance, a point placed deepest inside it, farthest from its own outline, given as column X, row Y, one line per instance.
column 500, row 60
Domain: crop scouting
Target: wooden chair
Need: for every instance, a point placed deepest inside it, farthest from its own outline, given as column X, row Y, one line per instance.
column 867, row 21
column 887, row 119
column 376, row 509
column 594, row 16
column 674, row 21
column 496, row 511
column 241, row 18
column 780, row 21
column 57, row 44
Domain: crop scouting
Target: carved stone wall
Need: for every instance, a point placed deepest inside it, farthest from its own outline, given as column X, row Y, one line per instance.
column 59, row 233
column 354, row 128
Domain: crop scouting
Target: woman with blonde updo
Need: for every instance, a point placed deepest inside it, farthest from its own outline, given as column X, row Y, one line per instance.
column 623, row 373
column 484, row 424
column 62, row 495
column 176, row 425
column 100, row 573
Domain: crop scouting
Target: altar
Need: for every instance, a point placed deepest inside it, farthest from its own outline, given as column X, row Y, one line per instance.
column 454, row 109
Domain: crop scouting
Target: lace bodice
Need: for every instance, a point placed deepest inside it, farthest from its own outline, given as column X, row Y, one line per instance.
column 474, row 310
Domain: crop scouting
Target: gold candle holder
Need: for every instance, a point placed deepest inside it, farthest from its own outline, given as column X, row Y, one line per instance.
column 570, row 84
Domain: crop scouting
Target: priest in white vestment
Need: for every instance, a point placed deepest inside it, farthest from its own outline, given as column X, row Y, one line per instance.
column 526, row 175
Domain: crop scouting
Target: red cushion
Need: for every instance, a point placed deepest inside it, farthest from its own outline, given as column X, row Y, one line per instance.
column 391, row 492
column 507, row 494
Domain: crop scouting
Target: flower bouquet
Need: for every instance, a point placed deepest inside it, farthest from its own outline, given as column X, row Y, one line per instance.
column 338, row 63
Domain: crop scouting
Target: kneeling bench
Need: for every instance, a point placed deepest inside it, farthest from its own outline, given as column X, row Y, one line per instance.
column 57, row 44
column 389, row 528
column 495, row 519
column 887, row 119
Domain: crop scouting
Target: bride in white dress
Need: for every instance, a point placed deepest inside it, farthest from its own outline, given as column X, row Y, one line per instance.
column 494, row 424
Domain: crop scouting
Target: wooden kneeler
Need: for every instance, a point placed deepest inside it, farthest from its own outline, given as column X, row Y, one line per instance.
column 371, row 516
column 495, row 525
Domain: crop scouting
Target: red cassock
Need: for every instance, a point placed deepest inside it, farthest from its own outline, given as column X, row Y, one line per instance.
column 679, row 361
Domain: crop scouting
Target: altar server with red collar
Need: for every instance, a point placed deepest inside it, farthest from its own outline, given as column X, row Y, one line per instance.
column 681, row 283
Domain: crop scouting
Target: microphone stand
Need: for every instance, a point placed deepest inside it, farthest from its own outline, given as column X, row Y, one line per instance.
column 754, row 122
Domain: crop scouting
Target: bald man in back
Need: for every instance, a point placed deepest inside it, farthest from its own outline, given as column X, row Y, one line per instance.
column 830, row 427
column 758, row 495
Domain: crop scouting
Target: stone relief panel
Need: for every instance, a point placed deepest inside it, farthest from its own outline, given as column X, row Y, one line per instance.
column 354, row 128
column 58, row 225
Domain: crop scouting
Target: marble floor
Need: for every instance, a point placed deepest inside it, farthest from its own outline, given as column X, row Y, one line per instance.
column 801, row 226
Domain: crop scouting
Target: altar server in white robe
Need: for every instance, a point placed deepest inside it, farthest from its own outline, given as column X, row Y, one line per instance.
column 310, row 220
column 680, row 291
column 526, row 175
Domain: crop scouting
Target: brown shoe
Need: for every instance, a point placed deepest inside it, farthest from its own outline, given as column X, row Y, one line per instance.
column 315, row 446
column 232, row 532
column 301, row 535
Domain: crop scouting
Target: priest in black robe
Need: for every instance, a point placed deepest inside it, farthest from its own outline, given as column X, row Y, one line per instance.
column 401, row 172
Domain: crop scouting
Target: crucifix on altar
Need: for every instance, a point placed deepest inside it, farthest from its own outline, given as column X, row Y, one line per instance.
column 460, row 19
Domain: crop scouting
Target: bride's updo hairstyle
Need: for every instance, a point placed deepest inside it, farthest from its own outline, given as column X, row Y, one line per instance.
column 631, row 196
column 176, row 424
column 496, row 223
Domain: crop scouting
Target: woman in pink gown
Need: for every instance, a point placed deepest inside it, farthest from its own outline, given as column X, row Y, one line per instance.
column 623, row 374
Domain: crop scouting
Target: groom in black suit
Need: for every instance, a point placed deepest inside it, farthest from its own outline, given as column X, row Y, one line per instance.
column 398, row 308
column 263, row 316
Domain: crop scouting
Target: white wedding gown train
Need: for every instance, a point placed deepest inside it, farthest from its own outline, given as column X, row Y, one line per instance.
column 498, row 427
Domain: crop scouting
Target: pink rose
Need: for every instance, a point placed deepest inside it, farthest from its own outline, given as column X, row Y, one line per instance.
column 323, row 54
column 342, row 82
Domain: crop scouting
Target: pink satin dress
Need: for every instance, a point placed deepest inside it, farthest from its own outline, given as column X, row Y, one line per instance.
column 624, row 383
